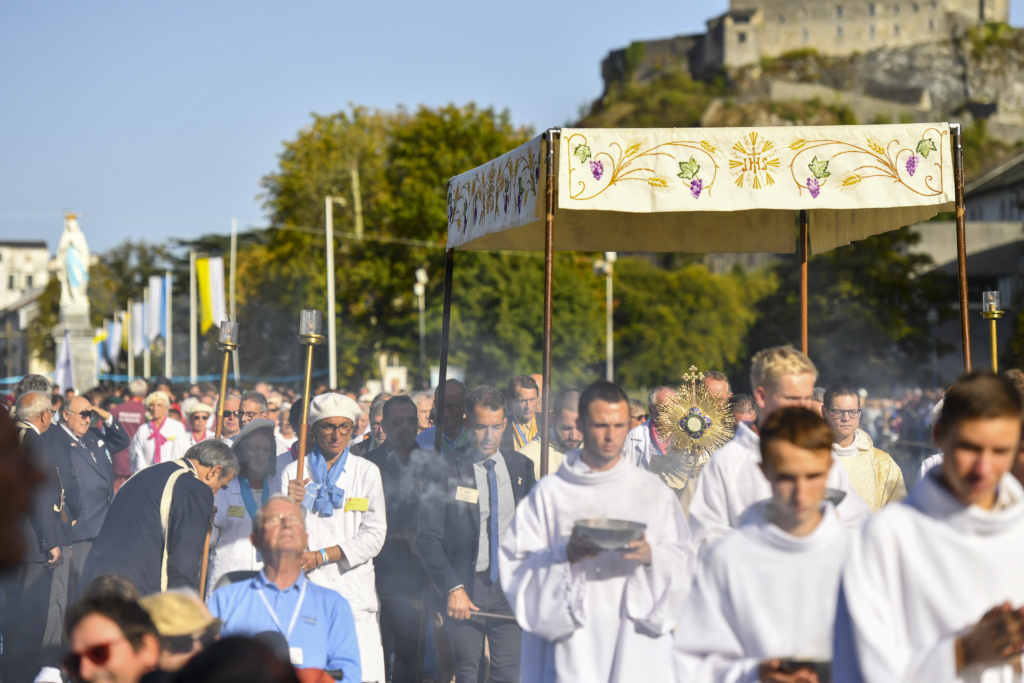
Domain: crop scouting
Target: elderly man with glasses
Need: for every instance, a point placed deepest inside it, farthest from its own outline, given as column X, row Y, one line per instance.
column 316, row 621
column 873, row 472
column 343, row 500
column 89, row 449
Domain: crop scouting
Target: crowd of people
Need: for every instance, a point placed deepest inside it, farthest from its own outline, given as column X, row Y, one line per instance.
column 158, row 536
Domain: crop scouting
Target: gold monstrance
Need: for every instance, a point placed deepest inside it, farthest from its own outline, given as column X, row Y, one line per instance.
column 694, row 421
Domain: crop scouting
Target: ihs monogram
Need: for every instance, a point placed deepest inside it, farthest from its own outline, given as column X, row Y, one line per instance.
column 754, row 163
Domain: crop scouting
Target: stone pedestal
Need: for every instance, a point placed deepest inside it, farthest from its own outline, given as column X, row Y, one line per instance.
column 82, row 361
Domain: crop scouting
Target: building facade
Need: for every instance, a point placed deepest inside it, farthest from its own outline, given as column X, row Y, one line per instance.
column 24, row 273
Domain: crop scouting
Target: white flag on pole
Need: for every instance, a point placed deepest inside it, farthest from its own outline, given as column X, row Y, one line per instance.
column 114, row 330
column 156, row 308
column 138, row 328
column 64, row 373
column 217, row 290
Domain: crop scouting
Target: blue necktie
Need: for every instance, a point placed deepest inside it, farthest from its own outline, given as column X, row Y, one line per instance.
column 492, row 488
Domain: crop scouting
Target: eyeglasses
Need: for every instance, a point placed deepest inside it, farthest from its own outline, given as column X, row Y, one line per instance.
column 641, row 416
column 838, row 414
column 85, row 414
column 231, row 413
column 200, row 416
column 279, row 520
column 97, row 654
column 249, row 416
column 325, row 428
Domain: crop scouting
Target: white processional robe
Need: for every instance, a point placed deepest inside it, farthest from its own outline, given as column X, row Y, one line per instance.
column 920, row 574
column 142, row 448
column 180, row 445
column 761, row 593
column 732, row 481
column 603, row 618
column 358, row 529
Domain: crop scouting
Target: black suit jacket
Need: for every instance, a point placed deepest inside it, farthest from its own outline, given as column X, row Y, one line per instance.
column 448, row 532
column 131, row 541
column 398, row 570
column 91, row 457
column 43, row 530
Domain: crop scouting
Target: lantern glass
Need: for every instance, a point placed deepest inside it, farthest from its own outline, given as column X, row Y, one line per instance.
column 228, row 333
column 990, row 301
column 311, row 323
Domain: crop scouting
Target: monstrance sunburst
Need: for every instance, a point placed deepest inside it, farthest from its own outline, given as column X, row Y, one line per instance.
column 694, row 421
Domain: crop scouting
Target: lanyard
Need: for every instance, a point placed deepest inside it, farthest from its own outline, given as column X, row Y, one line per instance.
column 295, row 614
column 520, row 432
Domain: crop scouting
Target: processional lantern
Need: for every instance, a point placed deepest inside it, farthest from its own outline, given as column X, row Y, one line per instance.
column 991, row 311
column 227, row 341
column 311, row 328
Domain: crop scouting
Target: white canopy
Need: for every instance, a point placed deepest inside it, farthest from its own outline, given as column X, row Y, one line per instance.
column 707, row 190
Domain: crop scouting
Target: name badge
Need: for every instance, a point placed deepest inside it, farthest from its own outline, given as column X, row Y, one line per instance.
column 357, row 504
column 295, row 654
column 236, row 511
column 467, row 495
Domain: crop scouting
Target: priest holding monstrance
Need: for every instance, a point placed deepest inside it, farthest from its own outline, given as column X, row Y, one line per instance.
column 596, row 564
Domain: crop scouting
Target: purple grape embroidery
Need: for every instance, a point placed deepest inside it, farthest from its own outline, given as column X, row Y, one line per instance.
column 812, row 185
column 912, row 164
column 597, row 168
column 696, row 185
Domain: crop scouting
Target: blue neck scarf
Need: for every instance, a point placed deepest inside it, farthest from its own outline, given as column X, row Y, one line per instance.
column 249, row 499
column 328, row 496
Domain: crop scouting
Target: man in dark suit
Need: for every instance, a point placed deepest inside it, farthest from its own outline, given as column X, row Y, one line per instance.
column 468, row 502
column 170, row 501
column 89, row 450
column 398, row 570
column 28, row 586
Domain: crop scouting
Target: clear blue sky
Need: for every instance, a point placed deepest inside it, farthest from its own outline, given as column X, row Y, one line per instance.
column 154, row 120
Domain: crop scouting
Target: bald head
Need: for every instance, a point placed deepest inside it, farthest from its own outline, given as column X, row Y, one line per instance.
column 78, row 415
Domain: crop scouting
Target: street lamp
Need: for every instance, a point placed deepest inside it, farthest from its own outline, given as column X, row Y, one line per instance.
column 419, row 289
column 332, row 346
column 607, row 268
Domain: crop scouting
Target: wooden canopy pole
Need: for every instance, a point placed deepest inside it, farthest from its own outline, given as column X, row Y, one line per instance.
column 549, row 276
column 961, row 242
column 803, row 280
column 446, row 317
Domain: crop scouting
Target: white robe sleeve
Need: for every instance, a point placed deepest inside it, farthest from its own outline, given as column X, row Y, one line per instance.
column 656, row 595
column 373, row 526
column 853, row 511
column 709, row 510
column 540, row 585
column 707, row 647
column 871, row 639
column 138, row 458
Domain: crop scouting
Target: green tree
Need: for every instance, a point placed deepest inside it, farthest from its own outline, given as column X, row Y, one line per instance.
column 867, row 311
column 666, row 321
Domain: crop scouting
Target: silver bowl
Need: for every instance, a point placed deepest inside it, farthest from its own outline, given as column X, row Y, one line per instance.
column 610, row 534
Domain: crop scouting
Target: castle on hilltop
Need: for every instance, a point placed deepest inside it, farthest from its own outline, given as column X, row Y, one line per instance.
column 755, row 29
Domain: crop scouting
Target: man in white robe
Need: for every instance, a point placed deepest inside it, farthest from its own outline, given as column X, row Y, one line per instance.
column 587, row 614
column 343, row 500
column 732, row 481
column 933, row 590
column 764, row 601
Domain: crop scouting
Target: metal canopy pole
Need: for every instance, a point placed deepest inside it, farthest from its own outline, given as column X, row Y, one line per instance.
column 803, row 280
column 549, row 275
column 961, row 241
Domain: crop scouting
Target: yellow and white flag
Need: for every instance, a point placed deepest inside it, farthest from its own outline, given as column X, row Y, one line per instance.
column 210, row 274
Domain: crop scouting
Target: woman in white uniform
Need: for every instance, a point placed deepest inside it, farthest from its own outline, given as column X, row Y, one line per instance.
column 154, row 441
column 234, row 507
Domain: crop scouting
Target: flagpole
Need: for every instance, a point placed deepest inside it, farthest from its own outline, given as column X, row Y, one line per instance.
column 168, row 346
column 146, row 370
column 231, row 293
column 131, row 341
column 192, row 318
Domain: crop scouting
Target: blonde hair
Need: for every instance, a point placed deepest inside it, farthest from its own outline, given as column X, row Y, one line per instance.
column 156, row 396
column 769, row 366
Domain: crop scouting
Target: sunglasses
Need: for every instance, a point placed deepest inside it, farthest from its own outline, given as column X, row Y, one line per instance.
column 97, row 654
column 232, row 413
column 85, row 414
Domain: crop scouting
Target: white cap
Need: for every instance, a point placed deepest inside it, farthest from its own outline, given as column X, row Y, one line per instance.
column 333, row 405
